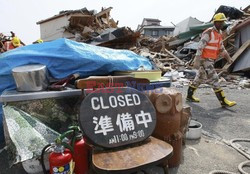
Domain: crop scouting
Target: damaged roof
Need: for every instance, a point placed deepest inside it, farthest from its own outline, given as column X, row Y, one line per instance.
column 184, row 25
column 66, row 12
column 84, row 11
column 243, row 24
column 151, row 19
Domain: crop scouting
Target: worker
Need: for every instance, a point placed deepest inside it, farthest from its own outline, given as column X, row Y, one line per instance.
column 209, row 49
column 14, row 43
column 38, row 41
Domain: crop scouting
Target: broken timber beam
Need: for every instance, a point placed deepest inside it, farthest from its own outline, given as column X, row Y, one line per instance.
column 171, row 54
column 228, row 37
column 237, row 54
column 105, row 11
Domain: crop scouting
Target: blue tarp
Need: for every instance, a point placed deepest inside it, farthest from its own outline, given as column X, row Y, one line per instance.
column 64, row 57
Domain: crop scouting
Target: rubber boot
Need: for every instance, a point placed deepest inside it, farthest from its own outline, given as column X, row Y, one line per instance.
column 223, row 101
column 190, row 94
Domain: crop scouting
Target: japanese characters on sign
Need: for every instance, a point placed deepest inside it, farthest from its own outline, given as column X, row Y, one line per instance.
column 123, row 117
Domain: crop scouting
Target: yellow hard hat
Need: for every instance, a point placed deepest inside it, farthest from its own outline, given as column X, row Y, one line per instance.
column 39, row 41
column 16, row 41
column 219, row 17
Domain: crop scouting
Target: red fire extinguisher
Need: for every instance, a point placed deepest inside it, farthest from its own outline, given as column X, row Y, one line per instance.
column 60, row 161
column 66, row 158
column 80, row 155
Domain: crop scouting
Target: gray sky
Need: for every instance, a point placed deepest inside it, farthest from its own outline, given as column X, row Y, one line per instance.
column 20, row 16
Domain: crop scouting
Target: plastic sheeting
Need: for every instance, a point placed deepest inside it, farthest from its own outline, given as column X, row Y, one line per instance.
column 26, row 135
column 230, row 12
column 32, row 124
column 1, row 125
column 64, row 57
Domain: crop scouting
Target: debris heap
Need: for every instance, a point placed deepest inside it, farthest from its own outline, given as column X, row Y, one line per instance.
column 99, row 29
column 169, row 53
column 164, row 50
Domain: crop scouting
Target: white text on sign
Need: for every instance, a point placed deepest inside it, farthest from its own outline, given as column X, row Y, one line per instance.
column 98, row 103
column 103, row 124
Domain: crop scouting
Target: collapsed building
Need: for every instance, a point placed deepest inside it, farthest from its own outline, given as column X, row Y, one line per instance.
column 88, row 27
column 168, row 52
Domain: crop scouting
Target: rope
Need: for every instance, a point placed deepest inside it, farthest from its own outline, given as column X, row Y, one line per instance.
column 237, row 148
column 243, row 164
column 242, row 152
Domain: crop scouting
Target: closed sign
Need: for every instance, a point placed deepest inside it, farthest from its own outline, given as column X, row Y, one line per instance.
column 123, row 117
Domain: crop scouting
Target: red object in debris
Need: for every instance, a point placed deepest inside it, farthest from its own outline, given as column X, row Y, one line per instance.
column 60, row 161
column 80, row 156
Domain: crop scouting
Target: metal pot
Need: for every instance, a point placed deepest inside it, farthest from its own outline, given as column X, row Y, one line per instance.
column 30, row 77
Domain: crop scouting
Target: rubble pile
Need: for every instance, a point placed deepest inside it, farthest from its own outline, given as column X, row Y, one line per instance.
column 164, row 60
column 156, row 45
column 169, row 53
column 236, row 81
column 230, row 33
column 162, row 51
column 100, row 29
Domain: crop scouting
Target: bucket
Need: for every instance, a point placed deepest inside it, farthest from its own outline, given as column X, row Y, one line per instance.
column 194, row 130
column 30, row 77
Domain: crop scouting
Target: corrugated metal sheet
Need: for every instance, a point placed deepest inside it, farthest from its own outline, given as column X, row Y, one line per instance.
column 242, row 36
column 194, row 31
column 185, row 25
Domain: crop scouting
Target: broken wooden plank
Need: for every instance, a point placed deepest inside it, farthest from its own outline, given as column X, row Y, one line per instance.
column 98, row 22
column 167, row 59
column 80, row 16
column 237, row 54
column 87, row 30
column 171, row 54
column 80, row 25
column 231, row 44
column 159, row 54
column 104, row 11
column 229, row 37
column 112, row 23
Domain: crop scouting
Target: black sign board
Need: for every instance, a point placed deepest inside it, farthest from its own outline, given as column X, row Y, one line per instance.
column 114, row 117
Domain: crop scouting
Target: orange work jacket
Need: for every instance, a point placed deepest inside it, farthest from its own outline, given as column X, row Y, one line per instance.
column 212, row 49
column 8, row 46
